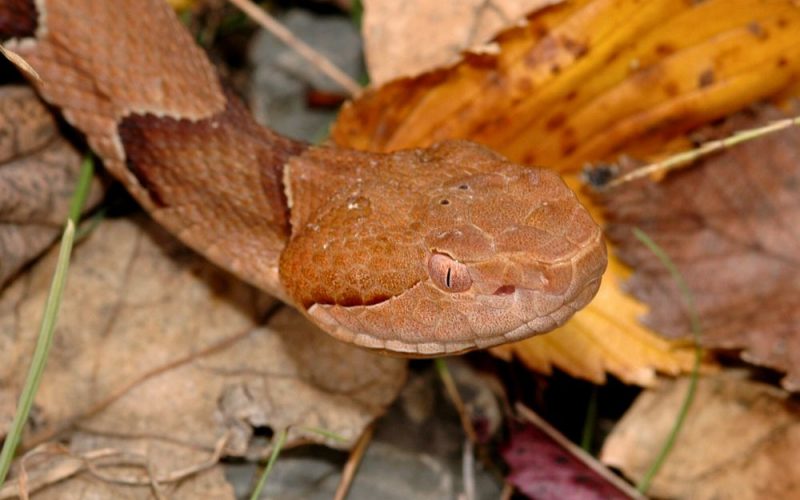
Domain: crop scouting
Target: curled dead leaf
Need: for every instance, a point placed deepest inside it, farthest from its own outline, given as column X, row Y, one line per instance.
column 450, row 27
column 730, row 225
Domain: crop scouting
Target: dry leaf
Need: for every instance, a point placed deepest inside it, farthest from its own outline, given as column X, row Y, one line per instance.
column 583, row 79
column 392, row 32
column 38, row 172
column 153, row 342
column 545, row 465
column 732, row 228
column 740, row 440
column 543, row 470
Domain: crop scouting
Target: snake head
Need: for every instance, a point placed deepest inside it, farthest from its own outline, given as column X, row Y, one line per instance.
column 441, row 250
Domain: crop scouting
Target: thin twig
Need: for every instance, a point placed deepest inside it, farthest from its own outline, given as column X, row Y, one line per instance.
column 155, row 487
column 468, row 470
column 705, row 149
column 152, row 480
column 91, row 462
column 468, row 455
column 21, row 64
column 307, row 52
column 25, row 485
column 190, row 470
column 455, row 397
column 353, row 461
column 22, row 480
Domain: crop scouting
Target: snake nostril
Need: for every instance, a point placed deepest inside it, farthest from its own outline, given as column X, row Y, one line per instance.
column 505, row 290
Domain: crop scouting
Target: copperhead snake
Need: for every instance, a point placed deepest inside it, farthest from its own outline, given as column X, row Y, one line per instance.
column 420, row 252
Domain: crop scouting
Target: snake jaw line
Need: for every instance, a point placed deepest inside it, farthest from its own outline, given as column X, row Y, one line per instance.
column 371, row 326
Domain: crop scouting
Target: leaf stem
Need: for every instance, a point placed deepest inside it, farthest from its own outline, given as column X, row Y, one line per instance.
column 280, row 439
column 81, row 189
column 688, row 297
column 304, row 50
column 704, row 150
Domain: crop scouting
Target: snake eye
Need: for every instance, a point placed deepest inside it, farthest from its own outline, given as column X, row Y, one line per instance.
column 449, row 274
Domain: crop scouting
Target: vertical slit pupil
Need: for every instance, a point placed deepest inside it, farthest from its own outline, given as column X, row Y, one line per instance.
column 447, row 278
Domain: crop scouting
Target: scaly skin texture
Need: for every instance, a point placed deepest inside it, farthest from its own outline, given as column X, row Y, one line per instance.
column 420, row 252
column 436, row 250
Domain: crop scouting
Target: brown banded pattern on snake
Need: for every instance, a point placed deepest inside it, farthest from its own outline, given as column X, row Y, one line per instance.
column 420, row 252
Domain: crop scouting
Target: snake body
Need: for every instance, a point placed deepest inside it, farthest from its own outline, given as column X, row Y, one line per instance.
column 420, row 252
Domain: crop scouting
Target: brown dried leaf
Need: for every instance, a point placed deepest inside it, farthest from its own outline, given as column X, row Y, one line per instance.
column 583, row 79
column 545, row 465
column 740, row 440
column 109, row 467
column 38, row 172
column 153, row 342
column 391, row 31
column 731, row 225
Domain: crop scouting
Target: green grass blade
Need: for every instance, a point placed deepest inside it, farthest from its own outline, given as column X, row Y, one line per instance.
column 324, row 433
column 280, row 439
column 590, row 422
column 89, row 224
column 40, row 353
column 47, row 327
column 694, row 319
column 81, row 189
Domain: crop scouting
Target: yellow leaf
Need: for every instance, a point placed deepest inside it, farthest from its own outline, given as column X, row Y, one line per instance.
column 180, row 5
column 584, row 80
